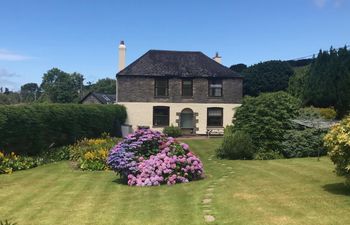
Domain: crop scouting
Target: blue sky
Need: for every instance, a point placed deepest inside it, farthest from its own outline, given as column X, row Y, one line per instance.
column 83, row 35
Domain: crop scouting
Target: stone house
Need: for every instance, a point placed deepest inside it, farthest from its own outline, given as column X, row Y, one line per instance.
column 181, row 88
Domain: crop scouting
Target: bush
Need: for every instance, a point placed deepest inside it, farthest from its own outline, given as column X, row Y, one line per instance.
column 267, row 155
column 266, row 118
column 55, row 154
column 12, row 162
column 31, row 129
column 237, row 145
column 328, row 113
column 172, row 131
column 149, row 158
column 303, row 143
column 337, row 140
column 91, row 154
column 318, row 113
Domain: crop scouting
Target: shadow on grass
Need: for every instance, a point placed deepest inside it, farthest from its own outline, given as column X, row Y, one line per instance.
column 337, row 189
column 120, row 181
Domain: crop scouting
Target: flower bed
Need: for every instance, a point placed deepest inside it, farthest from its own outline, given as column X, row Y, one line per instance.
column 150, row 158
column 91, row 154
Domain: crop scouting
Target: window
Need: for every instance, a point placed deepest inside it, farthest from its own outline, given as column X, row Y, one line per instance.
column 161, row 87
column 160, row 116
column 215, row 117
column 215, row 88
column 187, row 88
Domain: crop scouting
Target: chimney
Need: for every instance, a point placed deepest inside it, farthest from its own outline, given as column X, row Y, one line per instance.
column 121, row 65
column 122, row 50
column 217, row 58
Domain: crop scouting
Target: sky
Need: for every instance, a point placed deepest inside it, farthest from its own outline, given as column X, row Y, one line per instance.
column 83, row 35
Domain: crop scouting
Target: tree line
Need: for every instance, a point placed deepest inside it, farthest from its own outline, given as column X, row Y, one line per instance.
column 57, row 86
column 321, row 81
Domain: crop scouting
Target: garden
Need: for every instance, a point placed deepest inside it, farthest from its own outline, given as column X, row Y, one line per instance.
column 283, row 191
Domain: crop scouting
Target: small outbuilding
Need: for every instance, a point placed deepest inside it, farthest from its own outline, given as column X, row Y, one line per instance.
column 98, row 98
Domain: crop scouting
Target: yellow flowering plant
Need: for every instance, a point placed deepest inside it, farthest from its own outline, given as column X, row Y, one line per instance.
column 12, row 162
column 337, row 140
column 91, row 154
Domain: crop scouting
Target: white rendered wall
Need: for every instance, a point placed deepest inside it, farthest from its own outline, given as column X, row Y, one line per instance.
column 141, row 113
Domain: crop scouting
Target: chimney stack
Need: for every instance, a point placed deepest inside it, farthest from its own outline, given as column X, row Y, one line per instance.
column 122, row 51
column 217, row 58
column 121, row 65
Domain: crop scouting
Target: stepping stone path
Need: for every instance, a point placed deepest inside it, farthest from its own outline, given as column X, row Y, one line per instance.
column 209, row 218
column 207, row 201
column 208, row 196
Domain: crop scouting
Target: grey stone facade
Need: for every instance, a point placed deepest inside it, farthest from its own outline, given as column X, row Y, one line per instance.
column 141, row 89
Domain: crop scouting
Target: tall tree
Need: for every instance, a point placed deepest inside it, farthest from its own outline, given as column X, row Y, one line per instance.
column 328, row 81
column 270, row 76
column 61, row 87
column 106, row 86
column 297, row 82
column 78, row 82
column 30, row 92
column 238, row 67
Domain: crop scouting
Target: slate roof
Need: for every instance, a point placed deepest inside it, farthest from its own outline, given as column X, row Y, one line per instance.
column 102, row 98
column 157, row 63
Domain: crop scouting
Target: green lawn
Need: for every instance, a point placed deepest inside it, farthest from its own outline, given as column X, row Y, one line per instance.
column 294, row 191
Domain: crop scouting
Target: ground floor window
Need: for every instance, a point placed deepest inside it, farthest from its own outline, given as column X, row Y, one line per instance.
column 215, row 117
column 160, row 116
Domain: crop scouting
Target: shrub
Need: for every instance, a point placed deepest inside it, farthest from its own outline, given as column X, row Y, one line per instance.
column 266, row 118
column 12, row 162
column 337, row 140
column 237, row 145
column 172, row 131
column 318, row 113
column 303, row 143
column 55, row 154
column 150, row 158
column 328, row 113
column 91, row 154
column 267, row 155
column 31, row 129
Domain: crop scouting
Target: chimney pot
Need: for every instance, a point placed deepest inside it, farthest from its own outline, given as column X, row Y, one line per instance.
column 122, row 53
column 217, row 58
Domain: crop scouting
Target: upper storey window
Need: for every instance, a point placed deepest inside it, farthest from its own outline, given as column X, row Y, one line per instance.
column 187, row 88
column 161, row 87
column 215, row 88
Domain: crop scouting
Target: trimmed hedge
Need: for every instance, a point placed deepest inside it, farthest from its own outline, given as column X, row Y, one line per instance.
column 30, row 129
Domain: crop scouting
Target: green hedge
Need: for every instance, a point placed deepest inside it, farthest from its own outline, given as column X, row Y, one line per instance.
column 30, row 129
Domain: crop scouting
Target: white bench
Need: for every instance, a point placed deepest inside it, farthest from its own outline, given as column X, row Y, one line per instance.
column 215, row 131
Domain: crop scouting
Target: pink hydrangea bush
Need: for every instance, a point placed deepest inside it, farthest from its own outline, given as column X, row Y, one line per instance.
column 150, row 158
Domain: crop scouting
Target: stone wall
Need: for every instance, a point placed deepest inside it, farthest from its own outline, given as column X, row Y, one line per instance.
column 141, row 89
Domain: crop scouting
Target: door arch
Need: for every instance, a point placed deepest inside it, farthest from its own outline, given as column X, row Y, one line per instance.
column 187, row 121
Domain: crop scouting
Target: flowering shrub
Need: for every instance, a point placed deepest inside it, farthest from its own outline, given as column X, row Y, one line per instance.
column 91, row 154
column 337, row 140
column 12, row 162
column 150, row 158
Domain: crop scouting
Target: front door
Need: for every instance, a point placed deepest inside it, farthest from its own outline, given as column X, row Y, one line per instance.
column 186, row 121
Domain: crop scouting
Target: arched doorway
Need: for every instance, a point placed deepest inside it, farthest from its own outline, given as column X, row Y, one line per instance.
column 186, row 121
